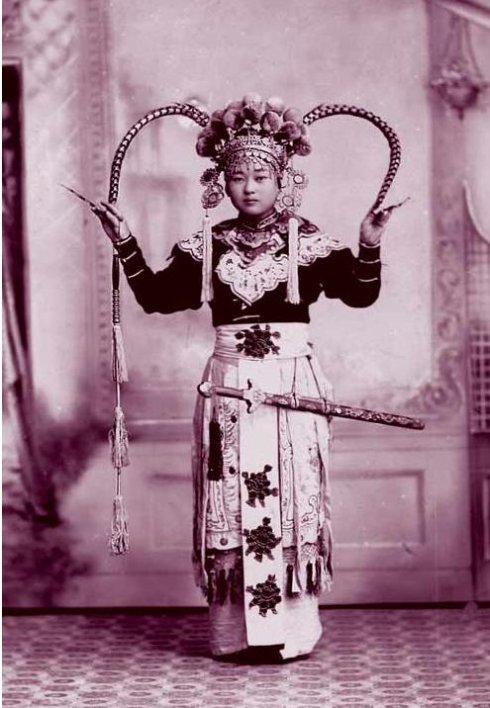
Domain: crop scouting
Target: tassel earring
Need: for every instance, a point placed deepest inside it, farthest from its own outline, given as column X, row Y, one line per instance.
column 293, row 245
column 288, row 202
column 207, row 259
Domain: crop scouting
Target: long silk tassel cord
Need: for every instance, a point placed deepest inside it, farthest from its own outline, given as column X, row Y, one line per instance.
column 293, row 276
column 207, row 260
column 118, row 435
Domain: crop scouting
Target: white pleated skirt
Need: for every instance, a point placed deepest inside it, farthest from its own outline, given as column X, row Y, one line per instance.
column 262, row 522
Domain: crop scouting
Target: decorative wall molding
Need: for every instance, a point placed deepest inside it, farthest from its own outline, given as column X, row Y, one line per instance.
column 444, row 395
column 97, row 151
column 45, row 32
column 11, row 21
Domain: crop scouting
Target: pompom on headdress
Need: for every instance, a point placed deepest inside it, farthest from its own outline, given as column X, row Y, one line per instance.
column 263, row 131
column 254, row 129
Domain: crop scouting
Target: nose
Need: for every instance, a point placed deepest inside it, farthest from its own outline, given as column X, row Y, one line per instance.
column 249, row 185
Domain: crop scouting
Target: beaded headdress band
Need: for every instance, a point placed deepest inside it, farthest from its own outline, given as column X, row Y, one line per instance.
column 253, row 130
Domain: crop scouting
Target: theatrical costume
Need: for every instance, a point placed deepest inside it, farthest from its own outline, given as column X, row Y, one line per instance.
column 267, row 494
column 262, row 532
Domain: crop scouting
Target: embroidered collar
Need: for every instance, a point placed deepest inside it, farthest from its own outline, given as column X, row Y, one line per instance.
column 261, row 225
column 252, row 264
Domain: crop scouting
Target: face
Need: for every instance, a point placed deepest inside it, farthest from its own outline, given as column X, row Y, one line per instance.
column 252, row 188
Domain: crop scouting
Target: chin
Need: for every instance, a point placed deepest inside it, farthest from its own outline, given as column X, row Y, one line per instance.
column 254, row 209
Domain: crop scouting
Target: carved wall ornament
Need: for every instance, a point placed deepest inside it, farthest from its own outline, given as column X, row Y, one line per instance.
column 458, row 80
column 444, row 394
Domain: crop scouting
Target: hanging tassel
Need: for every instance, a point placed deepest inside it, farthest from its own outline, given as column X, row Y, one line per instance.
column 293, row 244
column 296, row 586
column 310, row 585
column 215, row 460
column 211, row 586
column 215, row 456
column 221, row 587
column 118, row 438
column 119, row 543
column 207, row 260
column 119, row 368
column 118, row 435
column 318, row 580
column 289, row 579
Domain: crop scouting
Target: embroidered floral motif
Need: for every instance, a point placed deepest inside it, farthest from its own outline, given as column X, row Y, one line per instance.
column 258, row 486
column 250, row 245
column 252, row 266
column 193, row 245
column 265, row 596
column 261, row 540
column 316, row 246
column 257, row 342
column 250, row 283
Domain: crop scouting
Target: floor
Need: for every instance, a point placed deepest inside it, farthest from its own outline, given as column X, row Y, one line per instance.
column 366, row 658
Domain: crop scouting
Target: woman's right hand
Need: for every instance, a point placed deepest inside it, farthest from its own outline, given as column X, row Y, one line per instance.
column 113, row 222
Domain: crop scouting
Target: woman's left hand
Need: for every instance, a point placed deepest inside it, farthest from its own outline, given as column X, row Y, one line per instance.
column 373, row 225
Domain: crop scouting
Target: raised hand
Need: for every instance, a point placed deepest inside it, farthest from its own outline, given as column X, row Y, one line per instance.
column 374, row 224
column 113, row 222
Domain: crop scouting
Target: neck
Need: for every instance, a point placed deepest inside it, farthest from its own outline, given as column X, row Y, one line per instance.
column 255, row 220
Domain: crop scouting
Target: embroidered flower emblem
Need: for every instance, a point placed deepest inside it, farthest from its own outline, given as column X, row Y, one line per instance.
column 257, row 342
column 261, row 540
column 259, row 486
column 265, row 596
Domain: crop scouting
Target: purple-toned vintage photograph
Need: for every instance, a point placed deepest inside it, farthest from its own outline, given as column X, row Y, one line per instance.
column 246, row 353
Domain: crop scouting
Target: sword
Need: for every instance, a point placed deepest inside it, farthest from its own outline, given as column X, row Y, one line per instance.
column 254, row 397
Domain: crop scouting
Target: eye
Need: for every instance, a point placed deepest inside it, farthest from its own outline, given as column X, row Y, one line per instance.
column 260, row 178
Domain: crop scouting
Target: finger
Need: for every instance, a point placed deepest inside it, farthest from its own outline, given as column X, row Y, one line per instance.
column 99, row 207
column 113, row 210
column 397, row 205
column 381, row 217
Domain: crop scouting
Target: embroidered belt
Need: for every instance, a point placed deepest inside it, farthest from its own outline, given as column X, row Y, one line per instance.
column 267, row 340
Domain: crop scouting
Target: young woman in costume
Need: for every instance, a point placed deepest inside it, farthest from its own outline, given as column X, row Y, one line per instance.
column 262, row 535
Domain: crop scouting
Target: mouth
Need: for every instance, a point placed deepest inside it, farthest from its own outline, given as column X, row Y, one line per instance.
column 251, row 201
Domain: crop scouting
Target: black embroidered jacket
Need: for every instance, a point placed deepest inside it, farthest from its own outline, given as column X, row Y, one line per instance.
column 250, row 268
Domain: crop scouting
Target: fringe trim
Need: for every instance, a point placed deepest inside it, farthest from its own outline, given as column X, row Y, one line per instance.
column 119, row 542
column 225, row 584
column 118, row 439
column 225, row 581
column 313, row 577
